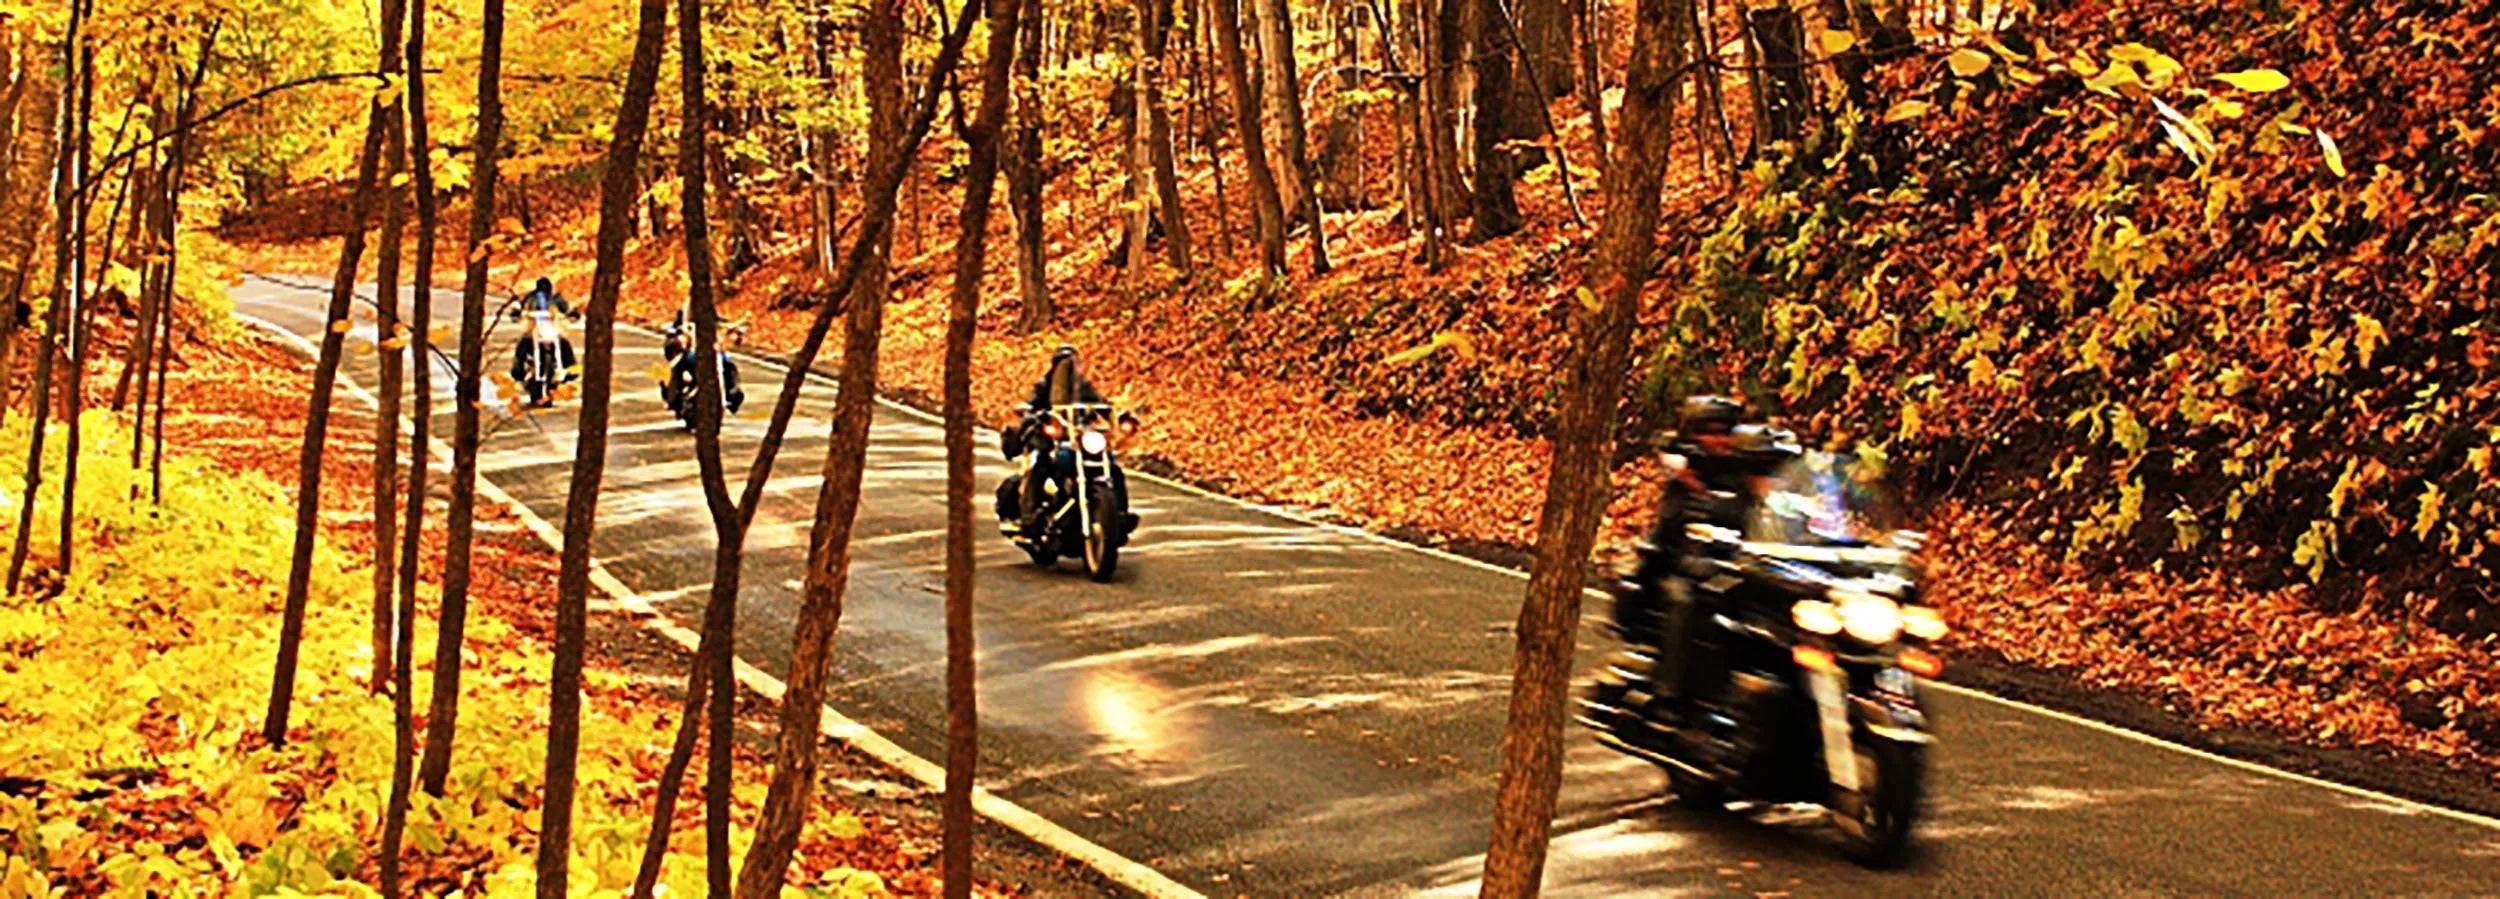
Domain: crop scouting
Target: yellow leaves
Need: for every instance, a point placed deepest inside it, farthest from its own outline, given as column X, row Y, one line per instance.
column 1456, row 342
column 2224, row 108
column 2315, row 548
column 1588, row 300
column 2367, row 336
column 2479, row 459
column 2159, row 69
column 1837, row 42
column 2256, row 81
column 2428, row 517
column 2346, row 485
column 2116, row 81
column 1968, row 62
column 1906, row 110
column 400, row 180
column 341, row 326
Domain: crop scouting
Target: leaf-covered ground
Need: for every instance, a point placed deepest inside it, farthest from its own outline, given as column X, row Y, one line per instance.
column 2175, row 318
column 130, row 758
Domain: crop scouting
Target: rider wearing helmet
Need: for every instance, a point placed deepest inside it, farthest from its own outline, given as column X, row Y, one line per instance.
column 1061, row 384
column 1713, row 465
column 542, row 298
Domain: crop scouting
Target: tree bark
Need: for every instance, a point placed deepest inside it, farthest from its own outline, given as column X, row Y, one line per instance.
column 387, row 332
column 617, row 192
column 1496, row 208
column 1576, row 489
column 64, row 194
column 1780, row 97
column 81, row 310
column 1448, row 41
column 420, row 443
column 962, row 712
column 837, row 501
column 1270, row 208
column 731, row 520
column 461, row 525
column 1025, row 178
column 317, row 421
column 1284, row 88
column 1154, row 24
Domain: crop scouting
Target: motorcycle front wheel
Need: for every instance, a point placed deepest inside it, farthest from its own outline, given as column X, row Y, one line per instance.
column 1891, row 778
column 1102, row 553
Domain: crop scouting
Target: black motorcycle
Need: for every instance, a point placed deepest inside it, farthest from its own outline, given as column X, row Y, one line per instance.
column 1084, row 496
column 1819, row 625
column 678, row 389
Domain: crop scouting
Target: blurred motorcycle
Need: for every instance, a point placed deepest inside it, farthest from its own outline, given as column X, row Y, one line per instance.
column 1818, row 637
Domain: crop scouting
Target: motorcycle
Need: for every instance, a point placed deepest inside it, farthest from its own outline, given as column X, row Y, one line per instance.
column 540, row 368
column 1824, row 636
column 1083, row 492
column 678, row 389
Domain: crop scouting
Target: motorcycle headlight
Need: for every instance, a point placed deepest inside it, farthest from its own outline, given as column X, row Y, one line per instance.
column 1816, row 616
column 1923, row 622
column 546, row 330
column 1093, row 442
column 1867, row 616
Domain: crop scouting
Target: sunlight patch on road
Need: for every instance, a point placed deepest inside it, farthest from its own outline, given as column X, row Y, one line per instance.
column 1176, row 651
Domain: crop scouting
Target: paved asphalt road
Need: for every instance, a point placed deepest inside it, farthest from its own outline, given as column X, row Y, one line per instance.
column 1259, row 706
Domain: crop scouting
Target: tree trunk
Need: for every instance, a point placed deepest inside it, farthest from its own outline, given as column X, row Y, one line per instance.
column 1154, row 23
column 962, row 713
column 1496, row 208
column 390, row 337
column 617, row 191
column 420, row 443
column 1025, row 178
column 1284, row 89
column 720, row 615
column 1592, row 87
column 731, row 520
column 1446, row 50
column 56, row 319
column 837, row 501
column 1271, row 213
column 1780, row 97
column 317, row 420
column 80, row 312
column 1576, row 490
column 461, row 524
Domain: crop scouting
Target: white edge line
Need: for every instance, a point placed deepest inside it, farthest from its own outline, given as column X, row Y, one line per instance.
column 2101, row 726
column 1118, row 868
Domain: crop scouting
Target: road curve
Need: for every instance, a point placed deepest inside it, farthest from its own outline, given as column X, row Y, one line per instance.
column 1262, row 706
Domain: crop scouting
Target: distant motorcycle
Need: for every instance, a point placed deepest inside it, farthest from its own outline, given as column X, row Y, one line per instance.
column 1084, row 496
column 1824, row 639
column 540, row 366
column 678, row 390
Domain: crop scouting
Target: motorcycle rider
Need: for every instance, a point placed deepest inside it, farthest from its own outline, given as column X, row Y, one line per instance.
column 1062, row 383
column 682, row 373
column 1714, row 466
column 543, row 298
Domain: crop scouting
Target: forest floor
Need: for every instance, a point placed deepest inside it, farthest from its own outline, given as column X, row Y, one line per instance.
column 164, row 784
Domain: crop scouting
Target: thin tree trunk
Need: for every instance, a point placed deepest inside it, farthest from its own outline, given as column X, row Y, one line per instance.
column 1211, row 136
column 56, row 318
column 962, row 712
column 1592, row 88
column 1284, row 89
column 876, row 227
column 1576, row 489
column 170, row 274
column 590, row 454
column 317, row 420
column 1270, row 207
column 1025, row 178
column 1448, row 40
column 81, row 310
column 390, row 339
column 1154, row 18
column 420, row 443
column 461, row 525
column 1496, row 207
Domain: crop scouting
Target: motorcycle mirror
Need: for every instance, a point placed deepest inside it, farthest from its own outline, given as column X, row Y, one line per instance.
column 1128, row 424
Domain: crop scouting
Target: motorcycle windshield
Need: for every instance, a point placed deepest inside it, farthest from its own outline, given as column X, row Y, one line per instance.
column 1823, row 500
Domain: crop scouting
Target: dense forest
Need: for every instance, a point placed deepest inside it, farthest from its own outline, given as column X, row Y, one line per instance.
column 2173, row 322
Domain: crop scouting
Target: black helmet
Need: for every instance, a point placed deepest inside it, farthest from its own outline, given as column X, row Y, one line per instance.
column 1707, row 414
column 544, row 286
column 1065, row 351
